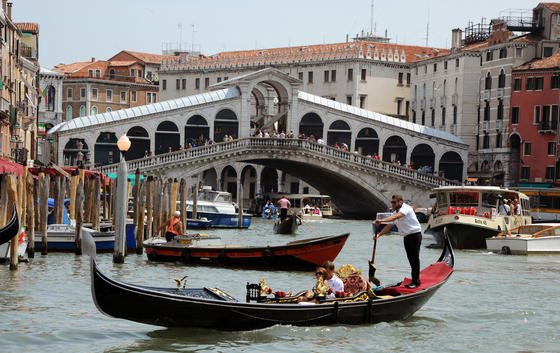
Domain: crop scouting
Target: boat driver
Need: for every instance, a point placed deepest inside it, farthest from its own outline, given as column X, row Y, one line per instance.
column 173, row 226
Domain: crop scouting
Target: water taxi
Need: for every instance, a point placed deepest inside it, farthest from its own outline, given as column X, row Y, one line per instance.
column 471, row 214
column 534, row 239
column 544, row 203
column 308, row 206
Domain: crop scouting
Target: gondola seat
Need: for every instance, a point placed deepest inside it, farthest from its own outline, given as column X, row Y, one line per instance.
column 353, row 284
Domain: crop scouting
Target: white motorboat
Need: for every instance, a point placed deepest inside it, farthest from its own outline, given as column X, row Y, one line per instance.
column 534, row 239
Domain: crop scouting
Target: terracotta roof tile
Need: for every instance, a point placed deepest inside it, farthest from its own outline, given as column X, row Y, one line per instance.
column 70, row 68
column 149, row 58
column 388, row 52
column 552, row 6
column 30, row 27
column 552, row 62
column 121, row 63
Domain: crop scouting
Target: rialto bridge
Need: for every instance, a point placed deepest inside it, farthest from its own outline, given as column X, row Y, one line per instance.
column 358, row 183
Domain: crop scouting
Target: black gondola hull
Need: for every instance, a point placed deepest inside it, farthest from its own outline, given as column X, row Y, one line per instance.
column 11, row 229
column 288, row 226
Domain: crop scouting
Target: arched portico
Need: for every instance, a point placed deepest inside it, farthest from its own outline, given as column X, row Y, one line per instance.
column 394, row 150
column 311, row 124
column 451, row 166
column 423, row 158
column 76, row 152
column 197, row 130
column 339, row 131
column 139, row 142
column 367, row 142
column 225, row 123
column 106, row 150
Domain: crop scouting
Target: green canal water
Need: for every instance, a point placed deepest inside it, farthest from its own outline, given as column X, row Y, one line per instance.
column 492, row 303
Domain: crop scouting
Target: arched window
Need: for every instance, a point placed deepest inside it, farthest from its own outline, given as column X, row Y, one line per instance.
column 82, row 110
column 502, row 79
column 51, row 98
column 456, row 84
column 488, row 81
column 424, row 91
column 93, row 110
column 69, row 112
column 112, row 74
column 108, row 110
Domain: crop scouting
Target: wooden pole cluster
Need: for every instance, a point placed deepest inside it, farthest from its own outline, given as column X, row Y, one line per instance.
column 13, row 201
column 183, row 204
column 30, row 221
column 44, row 185
column 79, row 212
column 149, row 206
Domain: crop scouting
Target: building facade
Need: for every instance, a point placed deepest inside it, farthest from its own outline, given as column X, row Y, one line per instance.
column 534, row 118
column 50, row 111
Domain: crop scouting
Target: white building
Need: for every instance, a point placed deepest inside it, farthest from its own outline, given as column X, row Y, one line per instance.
column 50, row 110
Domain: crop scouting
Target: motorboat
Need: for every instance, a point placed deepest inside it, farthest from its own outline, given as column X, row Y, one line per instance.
column 533, row 239
column 62, row 237
column 205, row 249
column 213, row 308
column 217, row 207
column 473, row 213
column 308, row 206
column 198, row 223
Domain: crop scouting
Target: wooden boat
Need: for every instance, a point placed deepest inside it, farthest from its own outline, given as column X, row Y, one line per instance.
column 535, row 239
column 62, row 238
column 288, row 226
column 213, row 308
column 10, row 229
column 302, row 254
column 470, row 214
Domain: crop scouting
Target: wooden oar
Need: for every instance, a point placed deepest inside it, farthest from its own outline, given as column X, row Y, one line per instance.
column 371, row 273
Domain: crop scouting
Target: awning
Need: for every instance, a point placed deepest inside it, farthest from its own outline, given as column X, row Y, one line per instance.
column 535, row 185
column 9, row 167
column 472, row 180
column 131, row 177
column 68, row 171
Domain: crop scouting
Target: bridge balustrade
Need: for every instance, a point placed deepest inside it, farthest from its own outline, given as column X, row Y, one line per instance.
column 255, row 143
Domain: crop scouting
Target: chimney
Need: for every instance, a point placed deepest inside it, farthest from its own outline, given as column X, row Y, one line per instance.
column 9, row 12
column 4, row 2
column 92, row 59
column 456, row 38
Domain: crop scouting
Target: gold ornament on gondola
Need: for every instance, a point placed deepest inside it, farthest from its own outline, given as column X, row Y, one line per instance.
column 265, row 289
column 320, row 289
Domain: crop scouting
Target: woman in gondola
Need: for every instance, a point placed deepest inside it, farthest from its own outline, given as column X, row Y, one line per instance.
column 320, row 289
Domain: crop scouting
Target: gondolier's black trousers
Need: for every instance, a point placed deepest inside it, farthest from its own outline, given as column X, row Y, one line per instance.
column 283, row 213
column 412, row 246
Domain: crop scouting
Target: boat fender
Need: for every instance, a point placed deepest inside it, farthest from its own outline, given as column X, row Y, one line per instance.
column 505, row 250
column 486, row 214
column 267, row 256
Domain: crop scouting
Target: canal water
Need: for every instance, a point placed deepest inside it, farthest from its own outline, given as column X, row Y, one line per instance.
column 492, row 303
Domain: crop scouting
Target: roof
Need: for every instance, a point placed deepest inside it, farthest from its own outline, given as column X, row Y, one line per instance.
column 30, row 27
column 389, row 52
column 122, row 63
column 141, row 111
column 250, row 75
column 552, row 62
column 71, row 68
column 385, row 119
column 46, row 72
column 552, row 6
column 148, row 58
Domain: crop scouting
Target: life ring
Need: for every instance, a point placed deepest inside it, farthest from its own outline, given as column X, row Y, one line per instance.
column 486, row 214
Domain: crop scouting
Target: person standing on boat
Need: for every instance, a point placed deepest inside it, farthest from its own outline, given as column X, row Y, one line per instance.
column 407, row 224
column 173, row 226
column 284, row 205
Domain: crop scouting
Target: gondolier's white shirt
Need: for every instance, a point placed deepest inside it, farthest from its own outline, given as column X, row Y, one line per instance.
column 409, row 223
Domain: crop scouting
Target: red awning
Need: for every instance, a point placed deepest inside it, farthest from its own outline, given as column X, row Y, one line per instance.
column 9, row 167
column 70, row 170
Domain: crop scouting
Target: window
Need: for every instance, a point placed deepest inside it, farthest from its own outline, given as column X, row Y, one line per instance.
column 517, row 84
column 518, row 52
column 457, row 62
column 363, row 102
column 442, row 115
column 425, row 69
column 226, row 78
column 547, row 51
column 555, row 79
column 133, row 96
column 408, row 79
column 515, row 115
column 399, row 106
column 435, row 67
column 551, row 148
column 123, row 96
column 206, row 82
column 414, row 116
column 349, row 100
column 539, row 83
column 69, row 93
column 445, row 65
column 108, row 110
column 184, row 83
column 486, row 140
column 82, row 110
column 500, row 114
column 90, row 73
column 549, row 173
column 454, row 114
column 326, row 76
column 163, row 85
column 503, row 53
column 525, row 173
column 93, row 110
column 554, row 115
column 529, row 84
column 400, row 82
column 489, row 55
column 433, row 117
column 498, row 140
column 310, row 77
column 486, row 111
column 69, row 112
column 94, row 93
column 363, row 76
column 109, row 95
column 527, row 148
column 488, row 81
column 177, row 84
column 416, row 70
column 350, row 74
column 132, row 72
column 197, row 83
column 300, row 76
column 333, row 75
column 112, row 74
column 537, row 115
column 150, row 97
column 502, row 79
column 423, row 117
column 218, row 80
column 97, row 73
column 82, row 93
column 139, row 73
column 545, row 113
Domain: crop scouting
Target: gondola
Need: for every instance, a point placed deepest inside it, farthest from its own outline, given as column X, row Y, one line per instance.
column 303, row 254
column 288, row 226
column 11, row 229
column 213, row 308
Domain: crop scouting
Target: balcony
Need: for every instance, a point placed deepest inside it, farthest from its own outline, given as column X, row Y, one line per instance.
column 499, row 125
column 413, row 105
column 500, row 92
column 485, row 125
column 486, row 95
column 453, row 129
column 548, row 127
column 454, row 99
column 423, row 104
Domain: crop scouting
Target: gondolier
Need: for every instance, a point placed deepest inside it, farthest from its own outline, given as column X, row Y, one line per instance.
column 407, row 224
column 284, row 205
column 173, row 226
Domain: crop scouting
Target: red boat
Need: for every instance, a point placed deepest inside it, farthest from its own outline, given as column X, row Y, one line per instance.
column 301, row 254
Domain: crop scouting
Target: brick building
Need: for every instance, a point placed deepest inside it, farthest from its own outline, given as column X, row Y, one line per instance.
column 534, row 117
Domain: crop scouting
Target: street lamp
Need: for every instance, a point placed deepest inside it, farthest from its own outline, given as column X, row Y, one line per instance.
column 122, row 203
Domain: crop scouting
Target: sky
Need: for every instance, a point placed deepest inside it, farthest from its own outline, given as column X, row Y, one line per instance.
column 78, row 30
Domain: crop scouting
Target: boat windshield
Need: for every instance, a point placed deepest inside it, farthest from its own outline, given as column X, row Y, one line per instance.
column 464, row 198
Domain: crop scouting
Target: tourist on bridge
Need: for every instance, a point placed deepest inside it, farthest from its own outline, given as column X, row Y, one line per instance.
column 284, row 204
column 173, row 226
column 407, row 224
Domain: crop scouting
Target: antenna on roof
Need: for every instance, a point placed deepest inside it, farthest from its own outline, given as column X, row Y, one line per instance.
column 371, row 19
column 180, row 29
column 428, row 26
column 192, row 38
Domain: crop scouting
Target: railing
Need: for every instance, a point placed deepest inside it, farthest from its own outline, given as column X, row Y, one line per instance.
column 548, row 126
column 266, row 144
